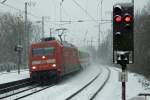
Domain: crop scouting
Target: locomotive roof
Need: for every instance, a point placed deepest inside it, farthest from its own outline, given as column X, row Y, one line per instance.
column 64, row 43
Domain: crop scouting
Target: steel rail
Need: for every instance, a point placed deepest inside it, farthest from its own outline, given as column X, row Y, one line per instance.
column 102, row 86
column 74, row 94
column 26, row 95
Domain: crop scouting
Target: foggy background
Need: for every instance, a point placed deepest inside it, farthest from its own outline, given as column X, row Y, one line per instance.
column 81, row 18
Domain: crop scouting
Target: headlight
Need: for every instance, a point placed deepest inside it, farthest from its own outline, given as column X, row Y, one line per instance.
column 53, row 65
column 43, row 57
column 33, row 67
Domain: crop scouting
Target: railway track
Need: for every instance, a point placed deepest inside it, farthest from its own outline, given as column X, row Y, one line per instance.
column 102, row 86
column 6, row 87
column 91, row 97
column 32, row 91
column 24, row 91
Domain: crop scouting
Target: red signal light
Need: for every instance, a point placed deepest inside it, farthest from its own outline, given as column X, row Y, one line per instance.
column 118, row 19
column 128, row 18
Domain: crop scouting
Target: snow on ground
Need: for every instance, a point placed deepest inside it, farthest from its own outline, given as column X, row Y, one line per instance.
column 13, row 76
column 112, row 90
column 13, row 71
column 67, row 87
column 138, row 98
column 92, row 88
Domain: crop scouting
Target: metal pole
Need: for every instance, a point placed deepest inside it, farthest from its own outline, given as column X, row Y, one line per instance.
column 123, row 82
column 100, row 24
column 19, row 61
column 99, row 36
column 42, row 26
column 60, row 13
column 50, row 32
column 19, row 43
column 26, row 35
column 91, row 42
column 133, row 1
column 85, row 38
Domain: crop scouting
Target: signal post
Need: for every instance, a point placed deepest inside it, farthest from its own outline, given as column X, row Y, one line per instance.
column 123, row 42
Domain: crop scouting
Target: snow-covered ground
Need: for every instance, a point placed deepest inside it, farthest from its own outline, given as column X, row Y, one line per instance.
column 13, row 71
column 69, row 86
column 92, row 88
column 6, row 77
column 111, row 91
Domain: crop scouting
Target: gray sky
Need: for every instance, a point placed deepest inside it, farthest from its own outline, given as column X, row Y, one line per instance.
column 71, row 11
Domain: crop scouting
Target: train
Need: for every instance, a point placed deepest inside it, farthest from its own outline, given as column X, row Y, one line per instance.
column 51, row 59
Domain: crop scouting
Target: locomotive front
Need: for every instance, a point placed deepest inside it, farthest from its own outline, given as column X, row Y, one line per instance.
column 42, row 61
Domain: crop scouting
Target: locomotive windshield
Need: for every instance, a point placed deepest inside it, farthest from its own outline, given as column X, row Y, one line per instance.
column 42, row 51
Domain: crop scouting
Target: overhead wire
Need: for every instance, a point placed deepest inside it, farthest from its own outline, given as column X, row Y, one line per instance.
column 3, row 1
column 84, row 10
column 86, row 20
column 54, row 23
column 10, row 6
column 20, row 10
column 65, row 12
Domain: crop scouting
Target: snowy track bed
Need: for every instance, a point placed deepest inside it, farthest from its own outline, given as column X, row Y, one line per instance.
column 90, row 91
column 22, row 90
column 66, row 88
column 12, row 93
column 13, row 76
column 112, row 90
column 72, row 83
column 30, row 91
column 7, row 87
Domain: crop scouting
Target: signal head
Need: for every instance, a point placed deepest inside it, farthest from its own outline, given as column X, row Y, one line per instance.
column 117, row 9
column 118, row 18
column 123, row 29
column 127, row 18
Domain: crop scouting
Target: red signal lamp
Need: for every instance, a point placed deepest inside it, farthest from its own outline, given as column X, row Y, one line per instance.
column 127, row 18
column 118, row 18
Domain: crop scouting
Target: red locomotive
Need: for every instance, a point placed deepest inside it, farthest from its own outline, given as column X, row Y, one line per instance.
column 52, row 59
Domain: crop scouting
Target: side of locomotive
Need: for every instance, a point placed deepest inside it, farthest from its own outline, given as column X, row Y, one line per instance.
column 52, row 60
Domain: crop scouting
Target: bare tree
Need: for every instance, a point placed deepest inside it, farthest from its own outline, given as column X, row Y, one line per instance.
column 142, row 42
column 11, row 33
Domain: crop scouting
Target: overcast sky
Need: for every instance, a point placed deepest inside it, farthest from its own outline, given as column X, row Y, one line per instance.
column 74, row 10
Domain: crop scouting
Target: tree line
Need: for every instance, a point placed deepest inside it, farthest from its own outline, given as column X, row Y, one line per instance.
column 12, row 31
column 142, row 42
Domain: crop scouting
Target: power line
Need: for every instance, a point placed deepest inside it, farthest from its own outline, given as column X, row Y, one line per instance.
column 10, row 6
column 85, row 11
column 65, row 12
column 3, row 1
column 86, row 20
column 20, row 10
